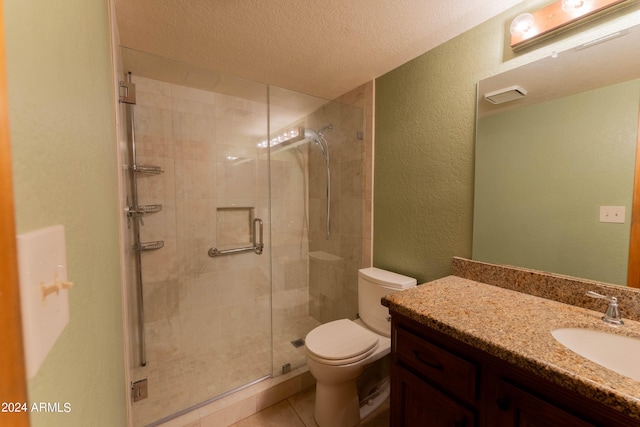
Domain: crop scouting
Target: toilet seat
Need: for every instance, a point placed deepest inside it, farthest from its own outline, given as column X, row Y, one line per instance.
column 340, row 342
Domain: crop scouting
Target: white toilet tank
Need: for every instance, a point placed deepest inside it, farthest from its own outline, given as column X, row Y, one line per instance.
column 373, row 284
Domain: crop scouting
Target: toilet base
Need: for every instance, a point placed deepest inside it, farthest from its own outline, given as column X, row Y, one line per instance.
column 337, row 405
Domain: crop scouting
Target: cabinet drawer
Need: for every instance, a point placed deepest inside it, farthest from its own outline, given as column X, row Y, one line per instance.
column 441, row 367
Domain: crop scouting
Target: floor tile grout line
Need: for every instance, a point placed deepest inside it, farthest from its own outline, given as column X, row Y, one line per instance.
column 298, row 414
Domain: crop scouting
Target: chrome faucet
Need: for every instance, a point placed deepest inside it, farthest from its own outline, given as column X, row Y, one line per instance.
column 612, row 315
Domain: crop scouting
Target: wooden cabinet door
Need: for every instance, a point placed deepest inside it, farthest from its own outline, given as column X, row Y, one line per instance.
column 518, row 408
column 416, row 403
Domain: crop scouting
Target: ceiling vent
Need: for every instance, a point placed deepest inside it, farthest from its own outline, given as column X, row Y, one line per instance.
column 505, row 95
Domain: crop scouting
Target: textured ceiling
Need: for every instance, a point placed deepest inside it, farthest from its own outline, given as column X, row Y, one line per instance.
column 319, row 47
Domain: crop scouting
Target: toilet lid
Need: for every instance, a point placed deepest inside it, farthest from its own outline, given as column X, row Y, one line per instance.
column 339, row 340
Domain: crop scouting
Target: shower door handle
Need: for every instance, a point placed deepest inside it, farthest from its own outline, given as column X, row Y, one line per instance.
column 258, row 245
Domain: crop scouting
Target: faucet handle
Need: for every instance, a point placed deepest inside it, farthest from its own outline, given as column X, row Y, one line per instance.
column 612, row 315
column 597, row 295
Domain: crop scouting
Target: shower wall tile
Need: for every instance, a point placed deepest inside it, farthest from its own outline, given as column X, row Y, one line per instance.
column 193, row 127
column 192, row 256
column 351, row 217
column 317, row 214
column 288, row 222
column 352, row 149
column 228, row 107
column 233, row 154
column 162, row 338
column 236, row 180
column 352, row 179
column 319, row 242
column 154, row 146
column 162, row 264
column 284, row 260
column 193, row 179
column 153, row 122
column 156, row 87
column 152, row 100
column 296, row 274
column 192, row 107
column 351, row 251
column 239, row 133
column 194, row 218
column 192, row 94
column 185, row 149
column 287, row 179
column 155, row 188
column 318, row 175
column 160, row 225
column 161, row 300
column 290, row 304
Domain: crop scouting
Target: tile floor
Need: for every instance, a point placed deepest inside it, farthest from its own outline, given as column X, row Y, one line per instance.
column 186, row 378
column 297, row 411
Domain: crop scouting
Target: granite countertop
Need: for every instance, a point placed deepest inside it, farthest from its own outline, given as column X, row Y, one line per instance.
column 516, row 327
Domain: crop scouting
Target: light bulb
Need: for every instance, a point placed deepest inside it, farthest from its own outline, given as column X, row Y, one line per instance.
column 522, row 24
column 571, row 6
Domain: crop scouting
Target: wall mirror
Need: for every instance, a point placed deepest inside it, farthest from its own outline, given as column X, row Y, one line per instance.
column 549, row 164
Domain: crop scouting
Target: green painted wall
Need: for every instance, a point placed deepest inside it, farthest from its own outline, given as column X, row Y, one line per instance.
column 424, row 142
column 63, row 142
column 423, row 177
column 541, row 174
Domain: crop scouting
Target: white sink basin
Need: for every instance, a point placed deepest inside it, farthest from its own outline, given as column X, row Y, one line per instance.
column 616, row 352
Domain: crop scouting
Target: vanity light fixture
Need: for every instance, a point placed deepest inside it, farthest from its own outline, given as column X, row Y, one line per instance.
column 289, row 137
column 560, row 15
column 571, row 6
column 505, row 95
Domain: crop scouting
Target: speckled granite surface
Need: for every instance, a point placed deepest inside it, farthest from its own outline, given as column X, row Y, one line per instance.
column 566, row 289
column 516, row 327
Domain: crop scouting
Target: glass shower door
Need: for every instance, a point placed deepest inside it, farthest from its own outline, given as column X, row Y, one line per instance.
column 318, row 192
column 206, row 290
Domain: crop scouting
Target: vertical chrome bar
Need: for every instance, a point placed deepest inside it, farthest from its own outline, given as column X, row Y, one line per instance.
column 136, row 230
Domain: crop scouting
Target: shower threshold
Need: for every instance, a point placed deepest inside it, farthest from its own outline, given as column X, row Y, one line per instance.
column 207, row 402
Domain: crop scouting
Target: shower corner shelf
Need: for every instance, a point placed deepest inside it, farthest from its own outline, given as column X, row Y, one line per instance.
column 149, row 246
column 149, row 208
column 147, row 169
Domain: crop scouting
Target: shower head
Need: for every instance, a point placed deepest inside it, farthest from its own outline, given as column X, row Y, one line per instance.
column 316, row 136
column 324, row 129
column 312, row 135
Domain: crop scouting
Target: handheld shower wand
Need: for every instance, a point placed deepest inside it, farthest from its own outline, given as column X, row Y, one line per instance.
column 318, row 139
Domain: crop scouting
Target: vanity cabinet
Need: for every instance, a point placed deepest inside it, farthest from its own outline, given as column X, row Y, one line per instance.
column 437, row 380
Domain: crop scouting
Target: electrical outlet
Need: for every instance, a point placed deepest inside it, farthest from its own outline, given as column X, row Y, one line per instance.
column 615, row 214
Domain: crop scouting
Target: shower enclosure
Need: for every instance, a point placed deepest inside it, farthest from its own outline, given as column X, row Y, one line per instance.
column 242, row 237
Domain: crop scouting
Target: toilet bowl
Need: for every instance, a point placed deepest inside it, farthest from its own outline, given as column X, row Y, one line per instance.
column 338, row 353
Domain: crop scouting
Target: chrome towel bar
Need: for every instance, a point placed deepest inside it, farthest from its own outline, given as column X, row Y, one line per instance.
column 257, row 246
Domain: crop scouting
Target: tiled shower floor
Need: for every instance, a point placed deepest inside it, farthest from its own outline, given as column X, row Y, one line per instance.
column 184, row 379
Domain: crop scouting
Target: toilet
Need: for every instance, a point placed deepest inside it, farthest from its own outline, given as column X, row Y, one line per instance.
column 347, row 357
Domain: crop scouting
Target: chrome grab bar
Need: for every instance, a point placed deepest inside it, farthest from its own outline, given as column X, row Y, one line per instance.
column 257, row 246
